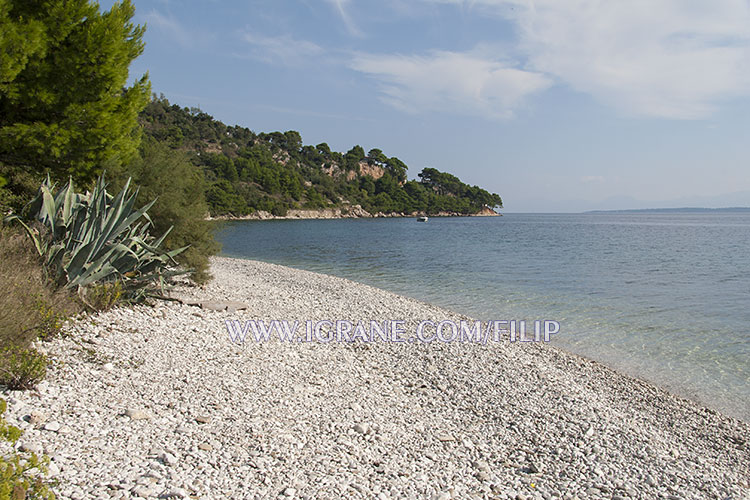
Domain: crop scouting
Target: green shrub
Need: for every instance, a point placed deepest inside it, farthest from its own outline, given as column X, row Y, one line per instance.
column 21, row 475
column 96, row 237
column 179, row 188
column 21, row 368
column 30, row 307
column 103, row 296
column 20, row 187
column 51, row 320
column 8, row 432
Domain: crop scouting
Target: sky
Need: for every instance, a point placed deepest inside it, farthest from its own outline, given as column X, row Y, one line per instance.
column 556, row 105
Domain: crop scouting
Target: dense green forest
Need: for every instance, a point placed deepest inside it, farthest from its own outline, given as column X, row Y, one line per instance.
column 246, row 171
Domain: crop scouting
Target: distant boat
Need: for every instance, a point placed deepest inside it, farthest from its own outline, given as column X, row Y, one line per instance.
column 422, row 218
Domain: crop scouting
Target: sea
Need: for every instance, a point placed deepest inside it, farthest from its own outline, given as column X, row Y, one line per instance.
column 664, row 297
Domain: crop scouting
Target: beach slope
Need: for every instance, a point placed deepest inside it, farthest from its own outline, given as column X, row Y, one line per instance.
column 157, row 402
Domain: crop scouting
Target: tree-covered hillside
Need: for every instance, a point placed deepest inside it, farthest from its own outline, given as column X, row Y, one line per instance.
column 246, row 171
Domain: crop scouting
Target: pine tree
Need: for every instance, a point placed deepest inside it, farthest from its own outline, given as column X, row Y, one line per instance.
column 64, row 104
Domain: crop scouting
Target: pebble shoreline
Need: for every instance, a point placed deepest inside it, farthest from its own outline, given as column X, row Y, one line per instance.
column 156, row 402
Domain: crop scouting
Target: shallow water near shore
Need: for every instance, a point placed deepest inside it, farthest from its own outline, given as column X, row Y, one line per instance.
column 663, row 297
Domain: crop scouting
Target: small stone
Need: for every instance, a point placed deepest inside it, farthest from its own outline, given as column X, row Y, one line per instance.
column 52, row 426
column 361, row 428
column 142, row 491
column 202, row 419
column 174, row 493
column 445, row 438
column 137, row 414
column 168, row 458
column 290, row 492
column 108, row 367
column 31, row 448
column 589, row 432
column 205, row 447
column 481, row 465
column 36, row 418
column 53, row 469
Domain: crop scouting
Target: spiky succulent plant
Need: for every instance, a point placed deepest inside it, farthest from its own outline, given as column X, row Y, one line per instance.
column 95, row 237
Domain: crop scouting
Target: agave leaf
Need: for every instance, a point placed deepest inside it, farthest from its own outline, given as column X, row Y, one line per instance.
column 30, row 232
column 126, row 262
column 78, row 259
column 119, row 218
column 34, row 207
column 157, row 243
column 96, row 268
column 86, row 279
column 143, row 244
column 173, row 253
column 137, row 215
column 68, row 201
column 48, row 209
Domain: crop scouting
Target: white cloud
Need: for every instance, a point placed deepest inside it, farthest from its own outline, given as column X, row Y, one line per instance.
column 463, row 83
column 282, row 50
column 351, row 26
column 664, row 58
column 170, row 26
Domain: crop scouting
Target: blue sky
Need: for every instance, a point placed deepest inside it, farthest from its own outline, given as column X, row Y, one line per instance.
column 557, row 105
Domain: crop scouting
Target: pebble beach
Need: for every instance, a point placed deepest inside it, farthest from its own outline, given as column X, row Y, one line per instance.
column 157, row 402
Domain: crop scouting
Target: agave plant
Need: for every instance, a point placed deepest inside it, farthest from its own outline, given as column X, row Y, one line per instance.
column 95, row 237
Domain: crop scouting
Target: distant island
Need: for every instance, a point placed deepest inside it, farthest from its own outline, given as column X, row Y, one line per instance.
column 672, row 210
column 272, row 175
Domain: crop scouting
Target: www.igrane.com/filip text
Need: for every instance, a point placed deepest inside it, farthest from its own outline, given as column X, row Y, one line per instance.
column 396, row 331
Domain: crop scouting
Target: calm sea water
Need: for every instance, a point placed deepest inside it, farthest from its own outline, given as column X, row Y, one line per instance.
column 664, row 297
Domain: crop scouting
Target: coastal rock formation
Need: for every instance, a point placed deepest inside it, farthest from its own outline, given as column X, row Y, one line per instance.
column 347, row 212
column 355, row 211
column 486, row 212
column 371, row 169
column 366, row 167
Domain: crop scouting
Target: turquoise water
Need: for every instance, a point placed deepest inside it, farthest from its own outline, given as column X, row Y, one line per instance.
column 664, row 297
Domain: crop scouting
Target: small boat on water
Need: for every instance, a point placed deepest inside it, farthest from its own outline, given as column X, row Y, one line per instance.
column 422, row 218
